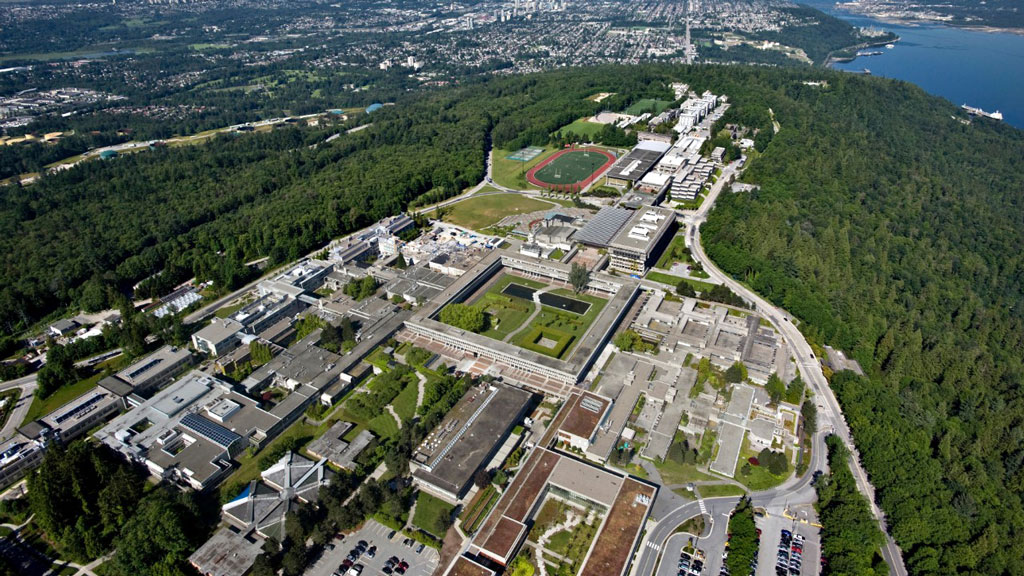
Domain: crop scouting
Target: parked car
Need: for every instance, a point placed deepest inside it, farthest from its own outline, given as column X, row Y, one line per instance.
column 420, row 548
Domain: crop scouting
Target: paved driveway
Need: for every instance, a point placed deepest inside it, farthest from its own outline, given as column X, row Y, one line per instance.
column 376, row 534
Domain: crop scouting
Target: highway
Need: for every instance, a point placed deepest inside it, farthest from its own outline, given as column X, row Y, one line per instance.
column 830, row 417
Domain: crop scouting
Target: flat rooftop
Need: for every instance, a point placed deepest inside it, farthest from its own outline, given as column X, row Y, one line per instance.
column 644, row 228
column 634, row 165
column 584, row 413
column 465, row 567
column 153, row 365
column 610, row 553
column 468, row 436
column 600, row 229
column 627, row 503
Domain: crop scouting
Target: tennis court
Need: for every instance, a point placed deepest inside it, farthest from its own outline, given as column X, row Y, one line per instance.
column 526, row 154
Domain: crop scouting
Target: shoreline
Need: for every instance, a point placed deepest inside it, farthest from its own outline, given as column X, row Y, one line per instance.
column 911, row 22
column 832, row 59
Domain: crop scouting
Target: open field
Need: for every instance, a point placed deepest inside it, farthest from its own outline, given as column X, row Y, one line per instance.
column 582, row 127
column 647, row 105
column 512, row 173
column 673, row 472
column 480, row 212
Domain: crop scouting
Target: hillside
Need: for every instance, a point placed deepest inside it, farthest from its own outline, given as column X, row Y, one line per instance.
column 895, row 233
column 890, row 229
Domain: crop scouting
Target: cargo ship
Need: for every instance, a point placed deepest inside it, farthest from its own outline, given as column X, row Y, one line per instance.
column 997, row 115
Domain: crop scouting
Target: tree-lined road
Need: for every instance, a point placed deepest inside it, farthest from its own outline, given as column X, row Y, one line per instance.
column 830, row 418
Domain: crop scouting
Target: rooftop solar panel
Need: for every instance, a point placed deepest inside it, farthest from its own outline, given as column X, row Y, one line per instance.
column 603, row 226
column 210, row 430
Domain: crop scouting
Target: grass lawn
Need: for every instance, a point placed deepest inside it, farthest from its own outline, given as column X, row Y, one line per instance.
column 673, row 472
column 432, row 514
column 671, row 280
column 717, row 490
column 559, row 542
column 645, row 105
column 405, row 402
column 225, row 311
column 480, row 212
column 760, row 478
column 583, row 128
column 507, row 312
column 41, row 407
column 555, row 322
column 512, row 173
column 383, row 425
column 675, row 252
column 487, row 188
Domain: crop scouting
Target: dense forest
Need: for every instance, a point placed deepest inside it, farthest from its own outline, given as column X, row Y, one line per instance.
column 894, row 232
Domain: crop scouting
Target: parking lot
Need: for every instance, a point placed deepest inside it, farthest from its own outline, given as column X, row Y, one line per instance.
column 376, row 534
column 771, row 534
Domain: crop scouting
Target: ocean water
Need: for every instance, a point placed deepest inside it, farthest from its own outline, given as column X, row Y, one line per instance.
column 981, row 69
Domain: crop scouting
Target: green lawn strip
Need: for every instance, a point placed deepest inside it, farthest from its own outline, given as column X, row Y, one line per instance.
column 674, row 280
column 717, row 490
column 225, row 311
column 582, row 127
column 479, row 212
column 432, row 514
column 641, row 106
column 405, row 403
column 487, row 188
column 673, row 472
column 43, row 406
column 512, row 173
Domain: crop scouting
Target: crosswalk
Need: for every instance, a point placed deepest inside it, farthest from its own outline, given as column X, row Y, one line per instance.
column 653, row 546
column 703, row 509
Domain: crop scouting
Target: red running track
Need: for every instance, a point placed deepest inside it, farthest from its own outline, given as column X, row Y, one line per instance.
column 583, row 183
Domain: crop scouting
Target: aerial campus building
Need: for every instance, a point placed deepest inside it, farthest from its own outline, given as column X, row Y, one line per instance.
column 189, row 432
column 467, row 438
column 620, row 504
column 633, row 238
column 546, row 373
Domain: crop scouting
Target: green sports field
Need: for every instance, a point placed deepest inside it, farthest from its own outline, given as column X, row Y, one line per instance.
column 648, row 105
column 571, row 167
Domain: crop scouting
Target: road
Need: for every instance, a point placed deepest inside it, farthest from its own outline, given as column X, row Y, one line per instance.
column 27, row 384
column 830, row 417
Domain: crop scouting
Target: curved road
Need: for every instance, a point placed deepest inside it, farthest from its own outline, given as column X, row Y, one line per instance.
column 830, row 417
column 27, row 384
